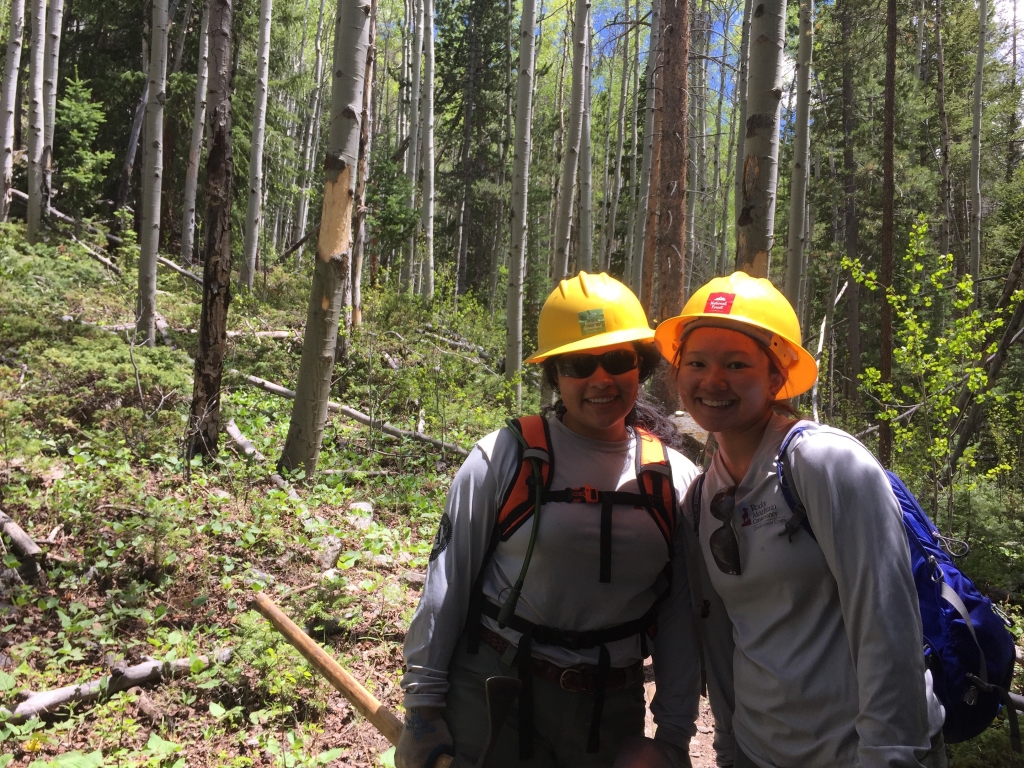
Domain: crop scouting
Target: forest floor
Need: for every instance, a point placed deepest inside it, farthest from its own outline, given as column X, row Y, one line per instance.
column 146, row 555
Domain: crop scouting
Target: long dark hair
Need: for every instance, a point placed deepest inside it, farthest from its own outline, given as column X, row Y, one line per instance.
column 647, row 412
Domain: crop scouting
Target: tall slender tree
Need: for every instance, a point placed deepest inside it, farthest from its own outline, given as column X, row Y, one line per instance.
column 647, row 165
column 428, row 151
column 609, row 242
column 585, row 257
column 563, row 222
column 195, row 147
column 331, row 271
column 253, row 212
column 8, row 93
column 741, row 88
column 36, row 120
column 518, row 208
column 362, row 170
column 204, row 421
column 945, row 190
column 801, row 147
column 51, row 69
column 152, row 175
column 979, row 86
column 888, row 221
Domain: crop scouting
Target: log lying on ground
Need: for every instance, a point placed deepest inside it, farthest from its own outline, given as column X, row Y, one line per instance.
column 352, row 413
column 286, row 334
column 114, row 239
column 251, row 452
column 97, row 256
column 22, row 543
column 183, row 272
column 120, row 679
column 460, row 344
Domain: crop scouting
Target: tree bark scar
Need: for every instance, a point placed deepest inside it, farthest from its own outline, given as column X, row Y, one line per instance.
column 751, row 173
column 334, row 162
column 759, row 11
column 762, row 121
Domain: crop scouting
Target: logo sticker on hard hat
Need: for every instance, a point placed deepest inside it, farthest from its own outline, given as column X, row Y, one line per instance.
column 591, row 321
column 720, row 303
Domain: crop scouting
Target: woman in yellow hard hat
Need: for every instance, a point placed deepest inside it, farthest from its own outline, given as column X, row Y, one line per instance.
column 811, row 621
column 551, row 558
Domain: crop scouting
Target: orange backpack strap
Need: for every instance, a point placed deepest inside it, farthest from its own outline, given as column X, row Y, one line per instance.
column 518, row 504
column 654, row 476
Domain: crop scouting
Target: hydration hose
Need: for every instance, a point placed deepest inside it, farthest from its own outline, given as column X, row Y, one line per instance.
column 508, row 609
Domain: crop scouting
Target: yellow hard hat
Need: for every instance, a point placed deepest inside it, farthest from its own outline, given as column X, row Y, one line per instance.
column 589, row 311
column 750, row 305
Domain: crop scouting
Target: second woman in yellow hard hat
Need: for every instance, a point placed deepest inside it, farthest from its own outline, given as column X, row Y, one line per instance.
column 811, row 622
column 551, row 558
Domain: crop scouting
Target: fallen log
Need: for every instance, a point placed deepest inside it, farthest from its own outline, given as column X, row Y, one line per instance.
column 352, row 413
column 183, row 272
column 298, row 243
column 251, row 452
column 459, row 344
column 287, row 334
column 98, row 256
column 119, row 679
column 22, row 543
column 114, row 239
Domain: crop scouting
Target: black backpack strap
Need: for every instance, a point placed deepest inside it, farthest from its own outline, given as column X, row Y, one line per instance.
column 698, row 490
column 798, row 519
column 603, row 665
column 476, row 598
column 524, row 663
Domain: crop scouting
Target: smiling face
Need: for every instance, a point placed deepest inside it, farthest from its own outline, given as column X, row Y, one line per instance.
column 726, row 381
column 597, row 406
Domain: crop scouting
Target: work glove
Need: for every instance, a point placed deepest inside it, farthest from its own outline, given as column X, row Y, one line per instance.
column 651, row 753
column 425, row 737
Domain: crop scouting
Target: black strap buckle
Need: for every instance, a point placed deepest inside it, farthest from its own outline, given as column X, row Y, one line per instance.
column 584, row 495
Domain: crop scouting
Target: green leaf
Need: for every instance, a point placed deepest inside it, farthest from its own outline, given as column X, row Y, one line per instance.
column 387, row 759
column 6, row 683
column 217, row 710
column 159, row 746
column 331, row 754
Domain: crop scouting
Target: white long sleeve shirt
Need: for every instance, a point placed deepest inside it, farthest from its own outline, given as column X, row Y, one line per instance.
column 562, row 588
column 826, row 638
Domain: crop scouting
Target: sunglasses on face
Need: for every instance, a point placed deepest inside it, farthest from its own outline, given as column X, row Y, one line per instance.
column 616, row 362
column 725, row 548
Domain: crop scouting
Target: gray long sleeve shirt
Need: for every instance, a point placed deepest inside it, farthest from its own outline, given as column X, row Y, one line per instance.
column 825, row 635
column 562, row 588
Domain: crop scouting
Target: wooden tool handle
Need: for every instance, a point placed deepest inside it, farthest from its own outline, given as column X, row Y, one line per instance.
column 382, row 718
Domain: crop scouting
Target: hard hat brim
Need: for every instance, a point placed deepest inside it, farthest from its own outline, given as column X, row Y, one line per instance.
column 799, row 377
column 593, row 342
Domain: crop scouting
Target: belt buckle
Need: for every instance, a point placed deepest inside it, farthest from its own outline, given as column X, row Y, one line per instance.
column 572, row 680
column 585, row 495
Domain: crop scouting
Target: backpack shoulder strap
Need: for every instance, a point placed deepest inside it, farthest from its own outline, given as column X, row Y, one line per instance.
column 654, row 476
column 799, row 518
column 534, row 441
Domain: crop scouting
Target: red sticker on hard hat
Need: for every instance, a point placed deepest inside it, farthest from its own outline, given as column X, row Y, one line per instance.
column 720, row 303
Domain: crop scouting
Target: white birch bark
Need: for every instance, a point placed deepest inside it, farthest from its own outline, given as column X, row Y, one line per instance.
column 195, row 148
column 427, row 286
column 12, row 65
column 311, row 134
column 152, row 175
column 36, row 120
column 412, row 154
column 741, row 136
column 801, row 147
column 645, row 164
column 979, row 84
column 54, row 24
column 518, row 206
column 634, row 116
column 616, row 190
column 331, row 271
column 563, row 221
column 254, row 209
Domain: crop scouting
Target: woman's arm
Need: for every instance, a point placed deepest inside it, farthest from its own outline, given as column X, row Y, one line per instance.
column 857, row 522
column 464, row 535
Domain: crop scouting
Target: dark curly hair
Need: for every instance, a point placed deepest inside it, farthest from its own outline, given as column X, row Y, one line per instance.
column 647, row 412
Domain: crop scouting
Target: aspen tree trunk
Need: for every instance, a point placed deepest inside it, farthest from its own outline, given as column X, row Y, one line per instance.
column 36, row 137
column 979, row 84
column 312, row 133
column 919, row 58
column 8, row 96
column 717, row 150
column 852, row 223
column 506, row 141
column 466, row 208
column 650, row 257
column 644, row 202
column 609, row 245
column 888, row 220
column 365, row 145
column 179, row 47
column 741, row 136
column 152, row 175
column 412, row 154
column 585, row 257
column 940, row 88
column 427, row 222
column 253, row 211
column 309, row 411
column 204, row 421
column 51, row 67
column 518, row 202
column 558, row 144
column 723, row 253
column 563, row 221
column 674, row 161
column 634, row 182
column 601, row 248
column 195, row 148
column 756, row 220
column 801, row 148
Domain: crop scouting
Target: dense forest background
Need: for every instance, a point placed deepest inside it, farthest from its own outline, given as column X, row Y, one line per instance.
column 207, row 205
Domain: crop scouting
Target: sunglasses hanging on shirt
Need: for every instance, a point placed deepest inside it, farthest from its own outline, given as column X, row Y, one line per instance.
column 615, row 363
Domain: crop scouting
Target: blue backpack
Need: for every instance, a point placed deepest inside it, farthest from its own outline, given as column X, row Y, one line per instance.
column 967, row 645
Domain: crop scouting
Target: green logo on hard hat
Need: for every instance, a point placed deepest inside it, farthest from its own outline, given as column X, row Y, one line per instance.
column 591, row 322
